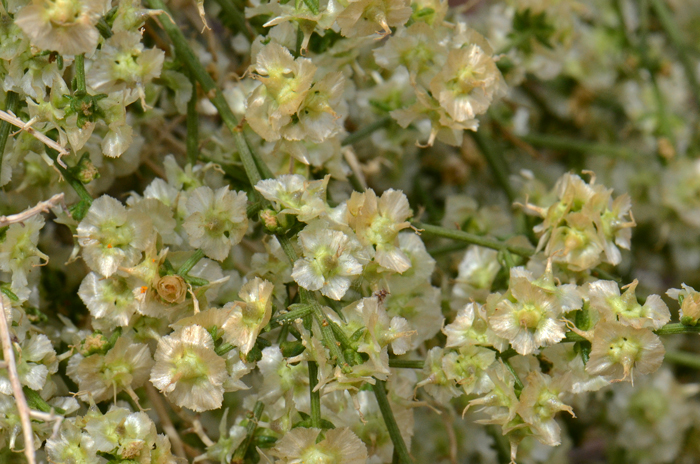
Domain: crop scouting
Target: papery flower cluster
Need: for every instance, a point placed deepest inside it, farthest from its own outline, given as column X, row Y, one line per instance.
column 224, row 246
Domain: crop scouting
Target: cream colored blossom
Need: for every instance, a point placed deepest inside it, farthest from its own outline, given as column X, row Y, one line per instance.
column 188, row 371
column 249, row 317
column 530, row 318
column 339, row 446
column 618, row 351
column 606, row 299
column 378, row 222
column 217, row 220
column 366, row 17
column 65, row 26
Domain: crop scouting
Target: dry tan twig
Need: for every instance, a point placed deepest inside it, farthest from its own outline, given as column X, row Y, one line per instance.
column 354, row 164
column 165, row 422
column 22, row 407
column 15, row 121
column 41, row 207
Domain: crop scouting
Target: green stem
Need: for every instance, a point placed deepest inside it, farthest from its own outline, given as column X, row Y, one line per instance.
column 288, row 249
column 496, row 162
column 192, row 125
column 391, row 425
column 683, row 358
column 236, row 17
column 187, row 56
column 474, row 239
column 365, row 131
column 11, row 103
column 673, row 31
column 223, row 349
column 190, row 263
column 315, row 396
column 81, row 88
column 556, row 142
column 239, row 454
column 518, row 383
column 443, row 250
column 329, row 338
column 406, row 363
column 72, row 181
column 677, row 328
column 293, row 315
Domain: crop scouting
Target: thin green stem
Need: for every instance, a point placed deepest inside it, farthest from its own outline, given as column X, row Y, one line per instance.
column 315, row 396
column 192, row 141
column 298, row 313
column 239, row 454
column 190, row 263
column 496, row 162
column 237, row 19
column 683, row 358
column 677, row 328
column 391, row 425
column 671, row 28
column 518, row 383
column 443, row 250
column 329, row 338
column 365, row 131
column 11, row 103
column 80, row 87
column 72, row 181
column 288, row 248
column 556, row 142
column 187, row 56
column 406, row 363
column 474, row 239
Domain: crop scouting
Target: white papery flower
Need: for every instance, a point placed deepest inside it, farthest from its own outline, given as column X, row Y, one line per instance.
column 248, row 318
column 378, row 222
column 340, row 446
column 188, row 371
column 618, row 351
column 606, row 299
column 217, row 220
column 66, row 26
column 532, row 320
column 111, row 299
column 293, row 194
column 125, row 367
column 111, row 236
column 331, row 259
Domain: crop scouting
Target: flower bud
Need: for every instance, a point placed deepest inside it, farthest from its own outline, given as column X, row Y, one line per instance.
column 172, row 288
column 85, row 171
column 690, row 309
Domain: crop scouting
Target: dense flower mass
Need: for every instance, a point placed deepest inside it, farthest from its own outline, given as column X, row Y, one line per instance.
column 349, row 231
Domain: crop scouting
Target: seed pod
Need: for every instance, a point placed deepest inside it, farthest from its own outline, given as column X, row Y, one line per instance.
column 172, row 289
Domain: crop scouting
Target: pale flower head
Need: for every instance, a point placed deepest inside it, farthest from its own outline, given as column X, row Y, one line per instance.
column 339, row 446
column 378, row 222
column 188, row 371
column 618, row 351
column 366, row 17
column 331, row 260
column 217, row 220
column 65, row 26
column 249, row 317
column 112, row 236
column 689, row 300
column 540, row 402
column 293, row 194
column 530, row 318
column 606, row 299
